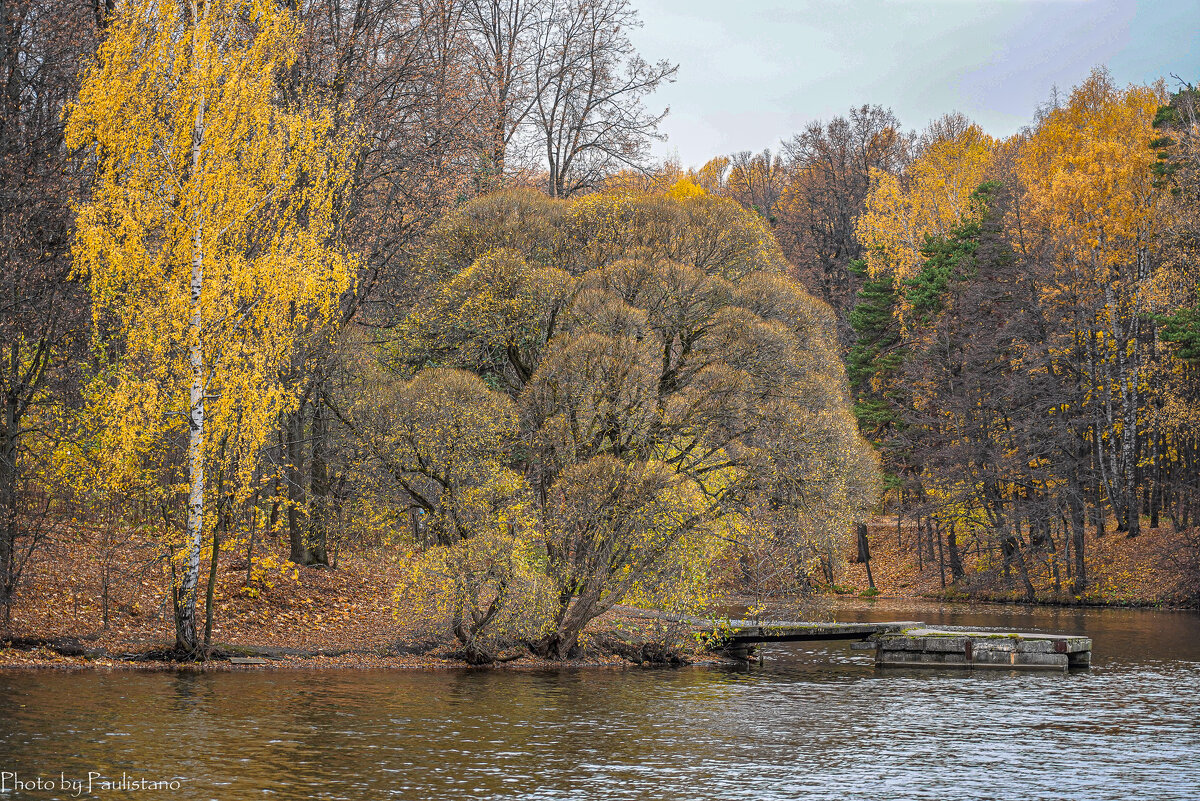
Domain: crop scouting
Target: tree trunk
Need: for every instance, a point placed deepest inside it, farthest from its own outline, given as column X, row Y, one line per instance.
column 212, row 586
column 1016, row 556
column 185, row 620
column 8, row 486
column 1156, row 488
column 564, row 641
column 250, row 547
column 864, row 553
column 920, row 550
column 1077, row 543
column 297, row 535
column 900, row 521
column 941, row 556
column 318, row 491
column 956, row 567
column 1098, row 516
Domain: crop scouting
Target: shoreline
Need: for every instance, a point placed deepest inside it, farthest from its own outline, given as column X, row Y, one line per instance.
column 41, row 658
column 991, row 600
column 48, row 653
column 347, row 618
column 68, row 664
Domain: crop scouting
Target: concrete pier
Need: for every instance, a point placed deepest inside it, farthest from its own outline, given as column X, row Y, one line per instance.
column 925, row 648
column 905, row 643
column 741, row 638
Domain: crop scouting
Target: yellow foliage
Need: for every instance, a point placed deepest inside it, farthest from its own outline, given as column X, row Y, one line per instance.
column 666, row 370
column 685, row 188
column 484, row 589
column 711, row 177
column 207, row 245
column 930, row 198
column 255, row 198
column 1087, row 175
column 499, row 309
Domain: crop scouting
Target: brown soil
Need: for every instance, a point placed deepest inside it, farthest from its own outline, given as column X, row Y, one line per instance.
column 317, row 618
column 1159, row 568
column 293, row 617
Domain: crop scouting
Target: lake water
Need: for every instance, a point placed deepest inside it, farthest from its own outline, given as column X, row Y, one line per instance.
column 814, row 721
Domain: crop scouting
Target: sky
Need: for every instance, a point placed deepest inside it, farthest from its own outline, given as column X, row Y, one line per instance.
column 753, row 72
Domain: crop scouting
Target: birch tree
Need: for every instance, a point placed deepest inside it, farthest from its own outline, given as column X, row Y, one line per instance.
column 204, row 241
column 1090, row 191
column 931, row 198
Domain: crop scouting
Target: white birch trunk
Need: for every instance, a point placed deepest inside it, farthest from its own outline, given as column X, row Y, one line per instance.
column 185, row 626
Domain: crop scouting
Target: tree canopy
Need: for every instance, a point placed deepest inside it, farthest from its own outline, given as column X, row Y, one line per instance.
column 669, row 378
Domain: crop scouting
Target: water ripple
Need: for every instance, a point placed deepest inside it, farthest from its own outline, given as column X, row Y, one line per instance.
column 813, row 722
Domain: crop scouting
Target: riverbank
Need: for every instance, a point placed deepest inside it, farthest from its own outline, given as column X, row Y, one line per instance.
column 43, row 657
column 72, row 615
column 1160, row 568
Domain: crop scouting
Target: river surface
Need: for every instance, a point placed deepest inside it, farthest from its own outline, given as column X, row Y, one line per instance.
column 814, row 721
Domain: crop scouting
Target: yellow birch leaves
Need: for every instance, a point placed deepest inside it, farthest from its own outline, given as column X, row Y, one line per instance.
column 1088, row 178
column 932, row 197
column 199, row 149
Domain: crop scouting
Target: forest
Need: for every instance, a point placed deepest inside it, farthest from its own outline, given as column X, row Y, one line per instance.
column 287, row 288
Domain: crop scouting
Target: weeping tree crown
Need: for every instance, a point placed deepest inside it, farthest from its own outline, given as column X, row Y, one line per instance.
column 676, row 390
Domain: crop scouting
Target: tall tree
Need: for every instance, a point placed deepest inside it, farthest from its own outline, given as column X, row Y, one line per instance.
column 401, row 79
column 591, row 84
column 828, row 172
column 756, row 180
column 206, row 240
column 505, row 35
column 42, row 306
column 1090, row 191
column 671, row 378
column 932, row 195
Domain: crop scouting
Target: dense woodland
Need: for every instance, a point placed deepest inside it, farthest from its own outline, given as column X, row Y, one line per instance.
column 295, row 280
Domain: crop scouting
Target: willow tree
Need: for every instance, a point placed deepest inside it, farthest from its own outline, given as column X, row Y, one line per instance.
column 205, row 240
column 446, row 440
column 674, row 387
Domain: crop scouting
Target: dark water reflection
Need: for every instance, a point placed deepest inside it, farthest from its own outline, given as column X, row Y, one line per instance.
column 815, row 721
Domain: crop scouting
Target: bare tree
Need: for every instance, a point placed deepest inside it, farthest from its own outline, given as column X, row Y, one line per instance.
column 591, row 83
column 757, row 181
column 829, row 168
column 399, row 73
column 42, row 307
column 504, row 36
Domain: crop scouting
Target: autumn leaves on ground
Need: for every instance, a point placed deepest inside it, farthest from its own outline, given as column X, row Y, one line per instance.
column 378, row 337
column 348, row 617
column 1158, row 568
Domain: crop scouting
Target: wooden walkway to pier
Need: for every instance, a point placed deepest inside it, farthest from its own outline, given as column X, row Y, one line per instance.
column 737, row 633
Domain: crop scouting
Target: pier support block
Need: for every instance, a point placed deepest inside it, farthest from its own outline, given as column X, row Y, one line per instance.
column 979, row 649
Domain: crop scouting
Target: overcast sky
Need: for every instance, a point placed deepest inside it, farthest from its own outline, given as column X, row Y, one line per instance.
column 752, row 72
